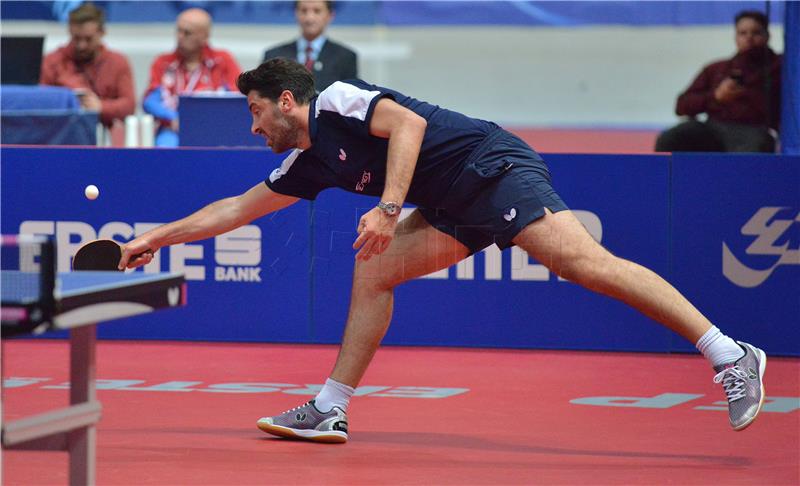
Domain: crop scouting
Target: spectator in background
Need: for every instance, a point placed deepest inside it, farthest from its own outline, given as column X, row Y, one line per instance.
column 327, row 60
column 741, row 96
column 191, row 68
column 101, row 78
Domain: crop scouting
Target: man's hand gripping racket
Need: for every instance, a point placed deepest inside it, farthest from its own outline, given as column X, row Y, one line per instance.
column 107, row 255
column 135, row 254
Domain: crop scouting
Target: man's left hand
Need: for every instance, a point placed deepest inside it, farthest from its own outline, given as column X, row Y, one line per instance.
column 375, row 233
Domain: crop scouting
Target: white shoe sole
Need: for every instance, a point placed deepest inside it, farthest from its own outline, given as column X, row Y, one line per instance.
column 329, row 437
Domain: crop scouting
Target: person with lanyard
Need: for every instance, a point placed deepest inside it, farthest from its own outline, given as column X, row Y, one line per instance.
column 193, row 66
column 101, row 78
column 328, row 61
column 474, row 185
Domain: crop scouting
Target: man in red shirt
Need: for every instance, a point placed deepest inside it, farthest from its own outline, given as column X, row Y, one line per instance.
column 101, row 78
column 192, row 67
column 741, row 96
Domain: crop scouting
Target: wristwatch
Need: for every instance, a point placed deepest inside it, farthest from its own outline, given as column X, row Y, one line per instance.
column 389, row 208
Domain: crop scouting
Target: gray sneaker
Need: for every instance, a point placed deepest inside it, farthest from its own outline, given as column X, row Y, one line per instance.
column 743, row 381
column 308, row 423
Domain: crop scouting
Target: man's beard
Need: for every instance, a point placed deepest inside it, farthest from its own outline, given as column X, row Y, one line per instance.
column 83, row 56
column 284, row 136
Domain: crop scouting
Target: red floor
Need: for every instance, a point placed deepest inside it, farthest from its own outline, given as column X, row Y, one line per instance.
column 514, row 425
column 588, row 141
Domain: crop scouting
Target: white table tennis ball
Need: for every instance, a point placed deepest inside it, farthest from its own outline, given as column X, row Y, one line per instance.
column 91, row 192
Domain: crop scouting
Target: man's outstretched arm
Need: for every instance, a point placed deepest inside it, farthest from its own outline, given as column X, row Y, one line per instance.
column 216, row 218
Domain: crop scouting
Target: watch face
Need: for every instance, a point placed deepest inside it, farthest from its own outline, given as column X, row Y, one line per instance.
column 389, row 208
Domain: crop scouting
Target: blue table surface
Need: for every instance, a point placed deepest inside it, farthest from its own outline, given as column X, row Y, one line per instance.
column 24, row 287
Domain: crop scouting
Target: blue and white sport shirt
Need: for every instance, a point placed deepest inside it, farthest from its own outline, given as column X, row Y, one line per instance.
column 343, row 153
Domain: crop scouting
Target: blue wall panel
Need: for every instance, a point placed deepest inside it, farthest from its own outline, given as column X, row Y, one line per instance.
column 672, row 214
column 749, row 204
column 790, row 95
column 45, row 188
column 436, row 12
column 198, row 128
column 628, row 197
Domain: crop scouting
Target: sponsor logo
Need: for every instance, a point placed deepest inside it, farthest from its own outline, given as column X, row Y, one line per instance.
column 670, row 400
column 510, row 215
column 342, row 155
column 365, row 178
column 769, row 230
column 300, row 417
column 239, row 387
column 663, row 401
column 236, row 254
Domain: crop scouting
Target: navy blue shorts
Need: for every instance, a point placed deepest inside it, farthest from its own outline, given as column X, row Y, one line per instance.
column 504, row 186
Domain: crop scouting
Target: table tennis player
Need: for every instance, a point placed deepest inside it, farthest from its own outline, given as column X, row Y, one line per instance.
column 474, row 184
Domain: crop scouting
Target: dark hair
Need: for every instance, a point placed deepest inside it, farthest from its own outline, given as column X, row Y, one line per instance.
column 755, row 15
column 328, row 3
column 274, row 76
column 87, row 13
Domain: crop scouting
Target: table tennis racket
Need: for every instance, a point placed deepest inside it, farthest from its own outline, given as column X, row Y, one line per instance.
column 99, row 255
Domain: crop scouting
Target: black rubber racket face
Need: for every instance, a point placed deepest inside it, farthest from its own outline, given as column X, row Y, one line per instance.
column 98, row 255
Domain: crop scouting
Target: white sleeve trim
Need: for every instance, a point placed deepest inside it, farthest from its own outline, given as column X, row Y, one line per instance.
column 346, row 100
column 285, row 166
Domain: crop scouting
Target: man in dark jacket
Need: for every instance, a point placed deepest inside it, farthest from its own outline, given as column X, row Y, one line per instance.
column 741, row 96
column 327, row 60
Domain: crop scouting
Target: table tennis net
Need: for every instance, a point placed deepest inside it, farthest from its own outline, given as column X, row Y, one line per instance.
column 28, row 278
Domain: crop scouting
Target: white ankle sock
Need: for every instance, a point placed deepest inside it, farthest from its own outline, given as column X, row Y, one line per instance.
column 718, row 348
column 333, row 394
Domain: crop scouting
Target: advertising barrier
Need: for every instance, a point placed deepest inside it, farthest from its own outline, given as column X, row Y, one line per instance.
column 248, row 285
column 723, row 229
column 736, row 244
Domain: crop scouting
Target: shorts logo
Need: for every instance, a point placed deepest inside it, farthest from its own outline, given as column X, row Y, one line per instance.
column 342, row 155
column 769, row 242
column 512, row 213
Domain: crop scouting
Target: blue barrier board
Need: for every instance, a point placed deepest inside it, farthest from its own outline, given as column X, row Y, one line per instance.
column 736, row 244
column 724, row 229
column 248, row 285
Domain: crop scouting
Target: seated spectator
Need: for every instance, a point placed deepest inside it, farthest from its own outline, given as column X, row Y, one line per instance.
column 192, row 67
column 101, row 78
column 740, row 95
column 327, row 60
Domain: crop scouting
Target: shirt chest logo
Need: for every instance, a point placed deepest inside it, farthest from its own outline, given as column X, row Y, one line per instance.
column 342, row 155
column 365, row 178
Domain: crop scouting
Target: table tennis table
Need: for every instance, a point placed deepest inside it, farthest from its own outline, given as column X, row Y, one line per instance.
column 81, row 300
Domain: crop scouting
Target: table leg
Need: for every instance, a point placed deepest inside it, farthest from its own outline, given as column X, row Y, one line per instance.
column 82, row 441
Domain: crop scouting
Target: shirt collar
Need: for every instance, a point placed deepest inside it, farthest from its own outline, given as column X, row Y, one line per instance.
column 312, row 119
column 316, row 45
